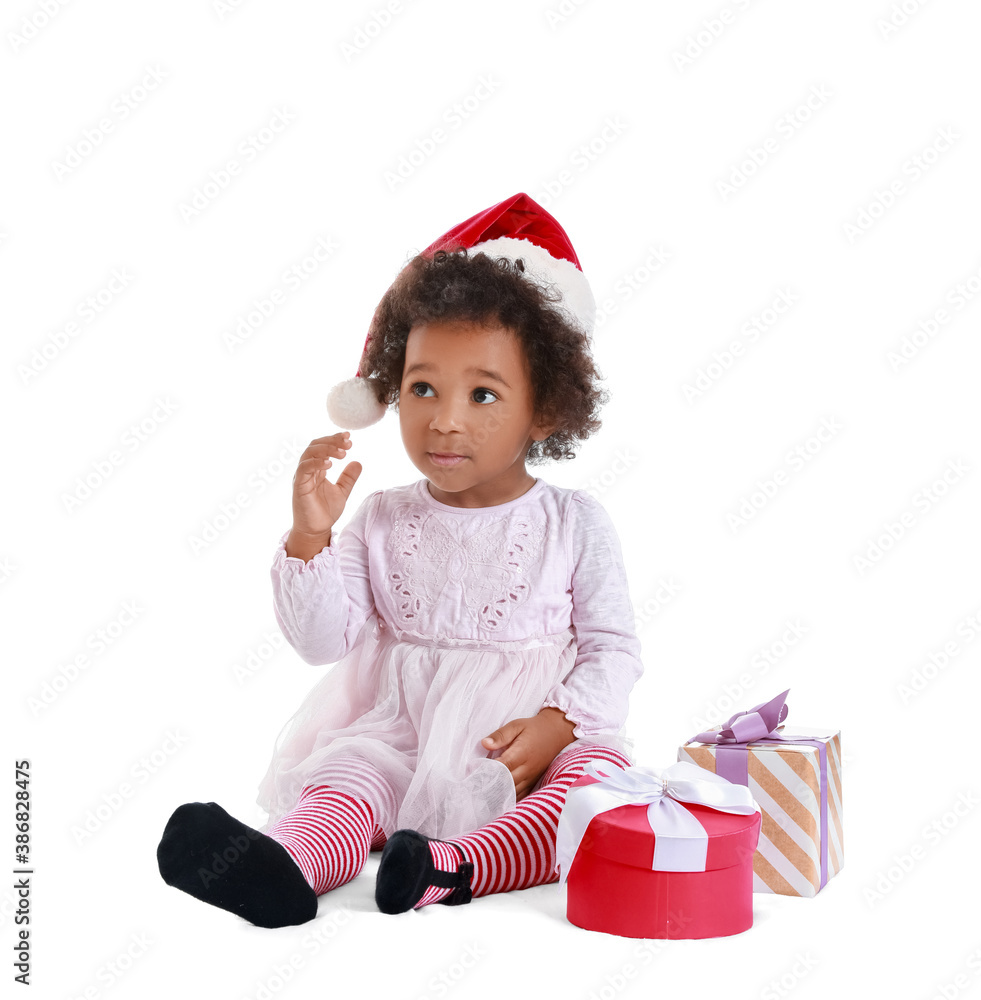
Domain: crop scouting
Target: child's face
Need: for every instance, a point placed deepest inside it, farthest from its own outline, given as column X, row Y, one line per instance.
column 447, row 406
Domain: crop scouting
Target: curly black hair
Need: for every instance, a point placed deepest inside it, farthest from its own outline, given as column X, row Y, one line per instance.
column 487, row 291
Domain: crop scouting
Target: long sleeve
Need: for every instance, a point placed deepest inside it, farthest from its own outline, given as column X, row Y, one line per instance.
column 595, row 693
column 323, row 604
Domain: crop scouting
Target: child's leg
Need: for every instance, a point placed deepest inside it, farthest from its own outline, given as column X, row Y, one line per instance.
column 514, row 851
column 273, row 879
column 328, row 834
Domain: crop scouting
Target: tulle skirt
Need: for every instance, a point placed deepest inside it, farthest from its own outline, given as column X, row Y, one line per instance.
column 413, row 709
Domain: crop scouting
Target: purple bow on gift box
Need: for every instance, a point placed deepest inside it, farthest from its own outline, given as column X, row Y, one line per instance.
column 745, row 727
column 759, row 725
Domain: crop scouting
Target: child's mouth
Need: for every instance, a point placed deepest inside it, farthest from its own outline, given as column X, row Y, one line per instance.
column 446, row 459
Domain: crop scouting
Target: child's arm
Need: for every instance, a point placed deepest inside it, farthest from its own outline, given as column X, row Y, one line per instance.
column 321, row 588
column 322, row 604
column 592, row 699
column 595, row 693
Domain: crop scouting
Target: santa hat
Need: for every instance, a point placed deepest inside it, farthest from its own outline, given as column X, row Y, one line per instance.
column 515, row 228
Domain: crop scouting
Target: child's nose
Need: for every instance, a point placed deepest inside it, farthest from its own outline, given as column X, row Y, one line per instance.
column 449, row 414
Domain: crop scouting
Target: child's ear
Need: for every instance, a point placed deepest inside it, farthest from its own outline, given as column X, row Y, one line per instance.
column 544, row 429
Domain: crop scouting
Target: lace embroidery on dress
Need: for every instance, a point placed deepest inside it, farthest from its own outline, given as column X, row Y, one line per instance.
column 489, row 567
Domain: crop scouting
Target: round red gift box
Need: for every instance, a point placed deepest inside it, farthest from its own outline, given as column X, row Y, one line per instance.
column 612, row 887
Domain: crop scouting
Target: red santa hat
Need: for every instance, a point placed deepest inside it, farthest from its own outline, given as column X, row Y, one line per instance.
column 515, row 228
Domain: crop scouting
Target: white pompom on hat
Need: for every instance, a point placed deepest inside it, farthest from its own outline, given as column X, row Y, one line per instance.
column 515, row 228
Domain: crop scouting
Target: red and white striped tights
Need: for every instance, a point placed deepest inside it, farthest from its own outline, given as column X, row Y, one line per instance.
column 329, row 832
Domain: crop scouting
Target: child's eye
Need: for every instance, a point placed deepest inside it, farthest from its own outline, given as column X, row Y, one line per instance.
column 425, row 385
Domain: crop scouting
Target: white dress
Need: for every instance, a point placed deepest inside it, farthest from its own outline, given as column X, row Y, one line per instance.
column 444, row 623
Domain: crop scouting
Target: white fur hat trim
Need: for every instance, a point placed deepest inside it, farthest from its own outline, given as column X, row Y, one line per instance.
column 577, row 297
column 352, row 404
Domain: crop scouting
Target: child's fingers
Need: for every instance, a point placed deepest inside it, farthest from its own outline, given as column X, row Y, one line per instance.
column 333, row 446
column 524, row 778
column 335, row 449
column 506, row 734
column 311, row 468
column 347, row 479
column 511, row 761
column 331, row 441
column 320, row 461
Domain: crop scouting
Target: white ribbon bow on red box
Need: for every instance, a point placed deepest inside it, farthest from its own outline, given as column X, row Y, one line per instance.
column 680, row 841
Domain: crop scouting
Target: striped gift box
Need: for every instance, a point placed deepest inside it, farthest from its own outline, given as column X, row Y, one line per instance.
column 792, row 857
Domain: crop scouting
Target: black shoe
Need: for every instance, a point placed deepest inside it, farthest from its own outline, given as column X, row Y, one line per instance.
column 216, row 858
column 406, row 871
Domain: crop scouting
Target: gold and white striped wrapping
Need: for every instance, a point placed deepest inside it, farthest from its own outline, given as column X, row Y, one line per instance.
column 785, row 780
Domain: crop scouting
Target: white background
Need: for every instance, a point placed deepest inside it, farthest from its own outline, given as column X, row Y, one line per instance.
column 592, row 113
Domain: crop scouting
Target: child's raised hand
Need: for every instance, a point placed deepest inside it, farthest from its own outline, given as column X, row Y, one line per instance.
column 317, row 502
column 530, row 745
